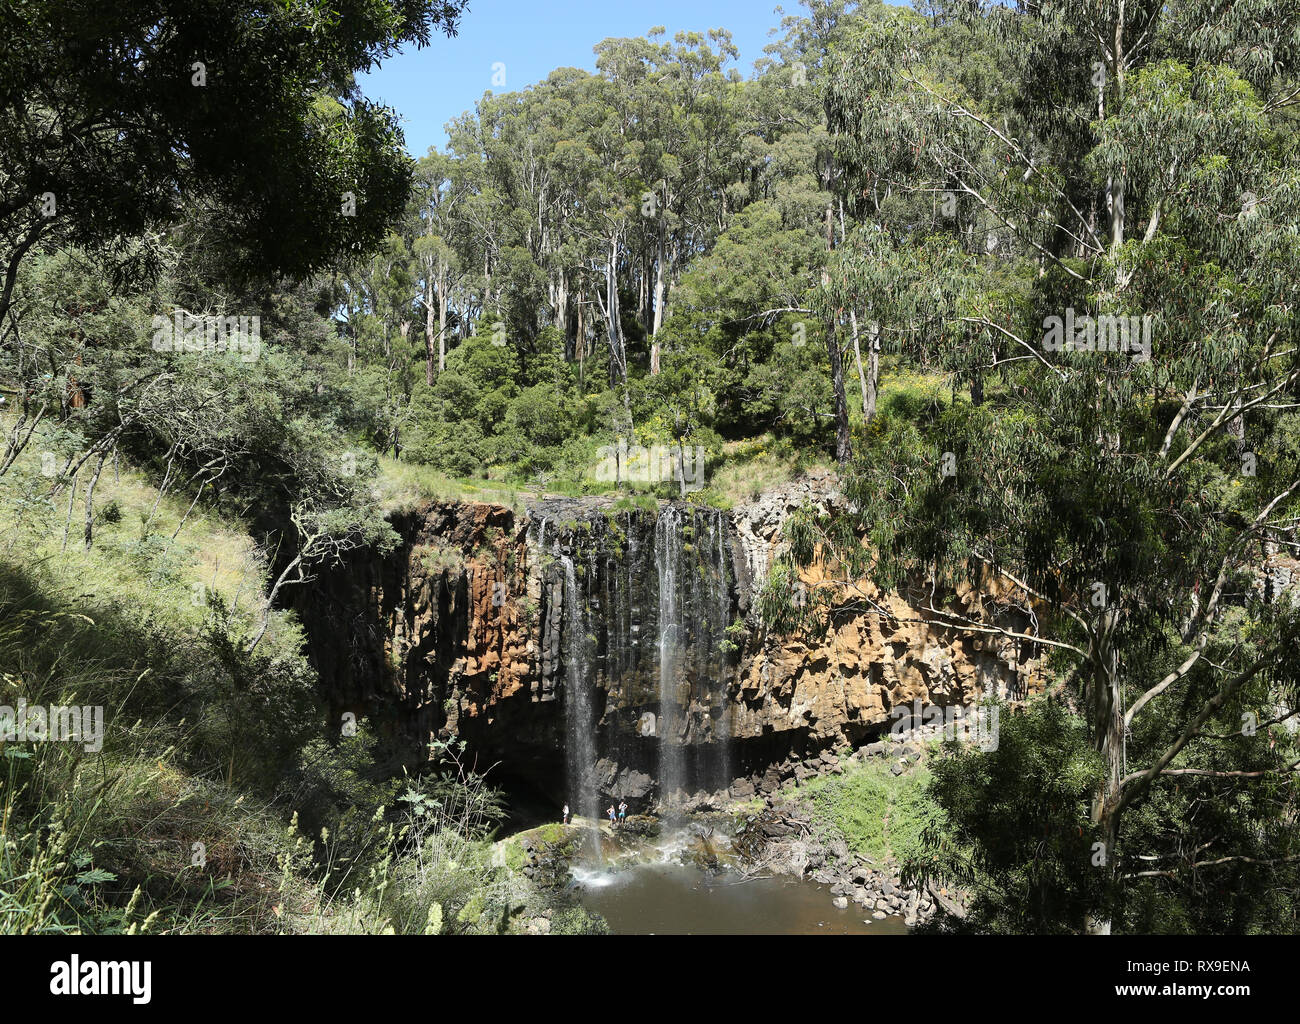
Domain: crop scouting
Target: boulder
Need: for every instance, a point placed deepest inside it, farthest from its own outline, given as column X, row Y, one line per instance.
column 743, row 789
column 623, row 783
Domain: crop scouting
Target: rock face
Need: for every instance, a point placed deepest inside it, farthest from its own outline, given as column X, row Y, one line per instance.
column 758, row 523
column 613, row 651
column 438, row 637
column 797, row 695
column 840, row 689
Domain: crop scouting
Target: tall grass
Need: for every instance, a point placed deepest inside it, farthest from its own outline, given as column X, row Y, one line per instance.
column 880, row 815
column 188, row 819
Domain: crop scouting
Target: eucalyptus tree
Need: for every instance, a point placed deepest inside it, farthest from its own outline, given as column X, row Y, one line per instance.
column 1134, row 470
column 613, row 202
column 570, row 164
column 111, row 116
column 893, row 191
column 744, row 301
column 686, row 131
column 439, row 188
column 798, row 65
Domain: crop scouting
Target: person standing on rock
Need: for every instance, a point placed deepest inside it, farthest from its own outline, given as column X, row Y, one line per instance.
column 566, row 814
column 610, row 812
column 622, row 812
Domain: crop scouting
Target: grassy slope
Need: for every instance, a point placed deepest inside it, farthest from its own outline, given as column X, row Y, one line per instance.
column 204, row 744
column 123, row 625
column 879, row 814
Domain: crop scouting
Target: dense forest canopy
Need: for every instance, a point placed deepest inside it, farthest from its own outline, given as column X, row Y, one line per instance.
column 593, row 224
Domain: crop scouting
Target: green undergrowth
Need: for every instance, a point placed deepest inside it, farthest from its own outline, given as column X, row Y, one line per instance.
column 880, row 815
column 216, row 798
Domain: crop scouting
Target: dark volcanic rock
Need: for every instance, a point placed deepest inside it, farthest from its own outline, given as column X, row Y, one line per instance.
column 478, row 623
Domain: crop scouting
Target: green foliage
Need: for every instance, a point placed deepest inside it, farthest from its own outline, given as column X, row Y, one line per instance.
column 880, row 815
column 578, row 921
column 1014, row 825
column 119, row 139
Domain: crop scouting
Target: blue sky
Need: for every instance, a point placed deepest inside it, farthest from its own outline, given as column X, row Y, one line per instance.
column 531, row 38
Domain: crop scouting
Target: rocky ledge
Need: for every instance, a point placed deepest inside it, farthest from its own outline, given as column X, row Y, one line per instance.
column 492, row 628
column 786, row 837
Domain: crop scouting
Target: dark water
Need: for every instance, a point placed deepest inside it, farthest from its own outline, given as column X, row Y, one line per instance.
column 674, row 899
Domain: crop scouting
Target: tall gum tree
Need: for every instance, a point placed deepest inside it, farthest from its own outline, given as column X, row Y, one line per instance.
column 1133, row 183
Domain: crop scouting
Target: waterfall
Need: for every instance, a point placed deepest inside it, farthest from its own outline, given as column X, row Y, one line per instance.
column 636, row 605
column 671, row 725
column 723, row 606
column 579, row 709
column 694, row 612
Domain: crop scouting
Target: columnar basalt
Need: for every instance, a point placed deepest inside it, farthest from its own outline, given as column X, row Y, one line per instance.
column 597, row 650
column 647, row 598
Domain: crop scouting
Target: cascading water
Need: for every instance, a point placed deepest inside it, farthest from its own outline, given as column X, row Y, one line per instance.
column 722, row 604
column 580, row 717
column 672, row 714
column 695, row 596
column 635, row 608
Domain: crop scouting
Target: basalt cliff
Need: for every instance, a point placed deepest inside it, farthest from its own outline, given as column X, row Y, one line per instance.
column 591, row 649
